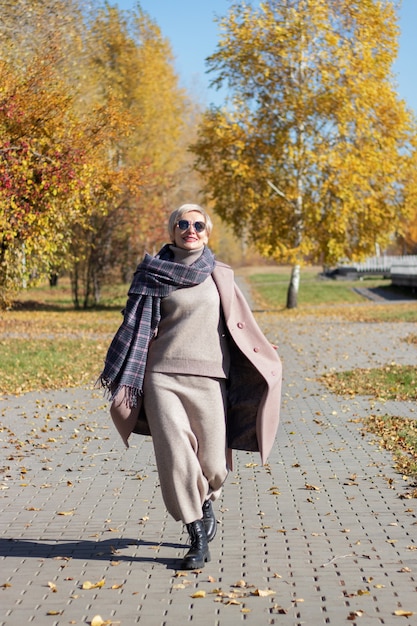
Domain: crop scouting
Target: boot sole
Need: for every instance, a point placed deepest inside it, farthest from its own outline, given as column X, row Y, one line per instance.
column 196, row 565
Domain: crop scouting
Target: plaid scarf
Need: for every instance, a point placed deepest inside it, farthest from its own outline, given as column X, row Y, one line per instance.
column 154, row 278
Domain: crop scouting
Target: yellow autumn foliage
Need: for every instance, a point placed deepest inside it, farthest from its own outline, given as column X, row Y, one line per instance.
column 312, row 161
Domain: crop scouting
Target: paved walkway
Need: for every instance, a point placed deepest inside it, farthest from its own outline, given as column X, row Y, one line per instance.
column 322, row 535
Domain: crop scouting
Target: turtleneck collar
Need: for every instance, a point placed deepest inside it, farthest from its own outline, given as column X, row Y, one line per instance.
column 187, row 257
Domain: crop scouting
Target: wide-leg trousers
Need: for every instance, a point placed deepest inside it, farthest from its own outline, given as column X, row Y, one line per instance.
column 186, row 416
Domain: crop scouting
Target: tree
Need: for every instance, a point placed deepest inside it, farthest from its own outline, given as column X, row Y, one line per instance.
column 407, row 234
column 310, row 161
column 39, row 165
column 43, row 142
column 93, row 129
column 130, row 75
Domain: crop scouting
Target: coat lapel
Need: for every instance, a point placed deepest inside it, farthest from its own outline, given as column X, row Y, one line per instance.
column 224, row 280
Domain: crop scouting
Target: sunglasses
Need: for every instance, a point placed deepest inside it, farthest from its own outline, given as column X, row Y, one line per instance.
column 185, row 225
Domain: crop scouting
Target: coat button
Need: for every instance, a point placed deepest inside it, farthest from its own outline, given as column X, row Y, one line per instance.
column 241, row 325
column 256, row 349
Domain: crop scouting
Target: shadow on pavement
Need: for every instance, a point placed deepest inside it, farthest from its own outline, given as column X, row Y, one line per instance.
column 87, row 550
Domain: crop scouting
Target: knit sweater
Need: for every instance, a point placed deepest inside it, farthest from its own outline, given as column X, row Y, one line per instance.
column 191, row 337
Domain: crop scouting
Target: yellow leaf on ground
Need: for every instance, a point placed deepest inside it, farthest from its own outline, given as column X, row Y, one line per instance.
column 88, row 585
column 401, row 613
column 99, row 621
column 263, row 593
column 199, row 594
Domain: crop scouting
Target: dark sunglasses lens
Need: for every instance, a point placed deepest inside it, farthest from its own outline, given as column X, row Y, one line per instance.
column 199, row 226
column 184, row 224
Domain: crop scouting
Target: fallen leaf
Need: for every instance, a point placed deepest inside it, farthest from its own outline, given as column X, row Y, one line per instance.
column 99, row 621
column 52, row 587
column 263, row 593
column 55, row 612
column 354, row 614
column 401, row 613
column 88, row 585
column 65, row 512
column 199, row 594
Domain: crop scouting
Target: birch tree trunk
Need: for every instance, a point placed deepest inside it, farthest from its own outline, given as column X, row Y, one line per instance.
column 292, row 294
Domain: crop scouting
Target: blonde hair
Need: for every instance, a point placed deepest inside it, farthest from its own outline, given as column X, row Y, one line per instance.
column 186, row 208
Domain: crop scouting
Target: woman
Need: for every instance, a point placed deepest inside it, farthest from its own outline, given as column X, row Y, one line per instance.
column 190, row 366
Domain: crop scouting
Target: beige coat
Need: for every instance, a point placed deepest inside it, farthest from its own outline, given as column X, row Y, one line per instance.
column 254, row 385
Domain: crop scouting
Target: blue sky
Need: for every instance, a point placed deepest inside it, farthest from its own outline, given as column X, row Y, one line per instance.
column 193, row 34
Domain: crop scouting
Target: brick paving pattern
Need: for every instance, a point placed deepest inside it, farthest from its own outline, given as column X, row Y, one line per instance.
column 324, row 534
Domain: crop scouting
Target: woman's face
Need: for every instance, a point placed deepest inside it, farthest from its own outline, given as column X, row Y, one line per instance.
column 189, row 238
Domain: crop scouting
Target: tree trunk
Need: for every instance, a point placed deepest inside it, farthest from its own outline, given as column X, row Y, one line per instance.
column 292, row 295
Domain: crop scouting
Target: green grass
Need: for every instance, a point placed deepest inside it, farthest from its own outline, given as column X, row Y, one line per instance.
column 396, row 434
column 46, row 344
column 272, row 289
column 319, row 296
column 391, row 382
column 33, row 364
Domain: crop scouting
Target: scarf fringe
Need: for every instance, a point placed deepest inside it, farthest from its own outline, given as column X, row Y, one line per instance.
column 130, row 397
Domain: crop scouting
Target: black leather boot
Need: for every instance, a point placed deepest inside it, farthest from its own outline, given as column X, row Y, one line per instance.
column 209, row 519
column 199, row 553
